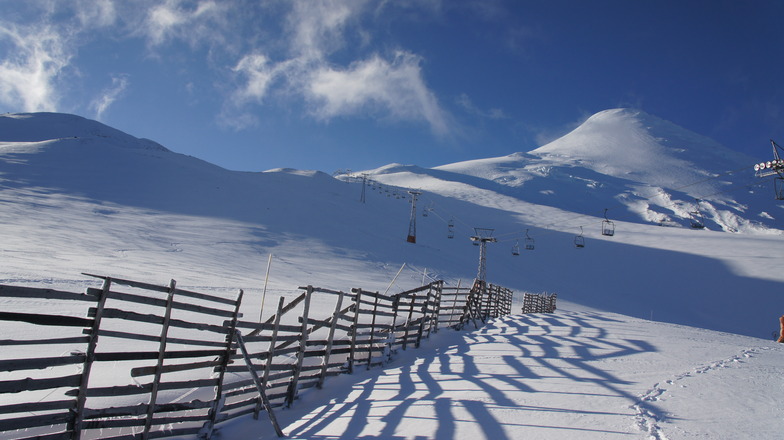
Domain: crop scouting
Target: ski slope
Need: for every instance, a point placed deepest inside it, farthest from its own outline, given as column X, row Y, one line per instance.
column 656, row 302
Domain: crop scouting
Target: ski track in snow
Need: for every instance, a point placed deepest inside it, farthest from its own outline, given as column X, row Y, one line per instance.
column 648, row 417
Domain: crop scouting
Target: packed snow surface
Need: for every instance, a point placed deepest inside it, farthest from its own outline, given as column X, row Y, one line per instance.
column 663, row 331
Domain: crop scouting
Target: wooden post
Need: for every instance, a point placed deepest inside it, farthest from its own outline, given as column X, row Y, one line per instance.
column 217, row 404
column 454, row 306
column 425, row 319
column 408, row 321
column 437, row 297
column 393, row 331
column 259, row 387
column 89, row 359
column 354, row 329
column 372, row 330
column 270, row 352
column 161, row 354
column 328, row 350
column 292, row 394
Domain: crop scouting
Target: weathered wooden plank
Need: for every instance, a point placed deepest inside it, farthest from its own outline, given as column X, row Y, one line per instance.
column 152, row 355
column 217, row 401
column 140, row 299
column 29, row 384
column 34, row 421
column 273, row 341
column 322, row 290
column 52, row 320
column 373, row 326
column 330, row 338
column 269, row 338
column 51, row 341
column 156, row 381
column 377, row 313
column 39, row 293
column 257, row 327
column 259, row 386
column 141, row 409
column 84, row 382
column 165, row 289
column 129, row 390
column 413, row 291
column 146, row 371
column 139, row 422
column 63, row 435
column 38, row 406
column 40, row 363
column 152, row 338
column 154, row 319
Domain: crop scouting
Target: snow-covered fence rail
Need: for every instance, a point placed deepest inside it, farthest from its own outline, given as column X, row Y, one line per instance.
column 539, row 302
column 153, row 361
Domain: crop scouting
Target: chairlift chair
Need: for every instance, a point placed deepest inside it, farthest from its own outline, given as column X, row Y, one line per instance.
column 516, row 248
column 450, row 229
column 579, row 241
column 608, row 227
column 697, row 221
column 529, row 242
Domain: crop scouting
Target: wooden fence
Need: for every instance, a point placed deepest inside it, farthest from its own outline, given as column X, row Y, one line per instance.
column 168, row 365
column 539, row 302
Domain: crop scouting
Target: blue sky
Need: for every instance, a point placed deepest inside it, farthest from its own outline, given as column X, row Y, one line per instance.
column 252, row 85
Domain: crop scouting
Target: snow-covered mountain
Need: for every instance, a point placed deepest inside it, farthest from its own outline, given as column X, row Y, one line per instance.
column 640, row 167
column 78, row 196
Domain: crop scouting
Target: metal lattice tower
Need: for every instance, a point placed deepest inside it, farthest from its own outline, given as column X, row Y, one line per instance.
column 482, row 237
column 412, row 224
column 364, row 182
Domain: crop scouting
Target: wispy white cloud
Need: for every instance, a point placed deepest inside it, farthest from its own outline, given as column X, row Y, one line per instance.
column 35, row 58
column 109, row 95
column 376, row 86
column 193, row 22
column 390, row 88
column 318, row 28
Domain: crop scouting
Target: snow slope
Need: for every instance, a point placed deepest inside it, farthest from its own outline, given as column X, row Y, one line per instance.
column 77, row 196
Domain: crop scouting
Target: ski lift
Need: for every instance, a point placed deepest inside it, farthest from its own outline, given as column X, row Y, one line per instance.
column 516, row 248
column 697, row 220
column 579, row 241
column 529, row 242
column 608, row 227
column 450, row 229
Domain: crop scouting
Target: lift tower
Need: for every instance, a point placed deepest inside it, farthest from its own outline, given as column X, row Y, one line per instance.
column 481, row 238
column 412, row 225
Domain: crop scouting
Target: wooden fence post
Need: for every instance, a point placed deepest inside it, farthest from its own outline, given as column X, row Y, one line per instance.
column 89, row 359
column 393, row 331
column 259, row 386
column 292, row 394
column 161, row 354
column 354, row 330
column 328, row 350
column 215, row 409
column 438, row 285
column 270, row 353
column 372, row 331
column 408, row 321
column 425, row 318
